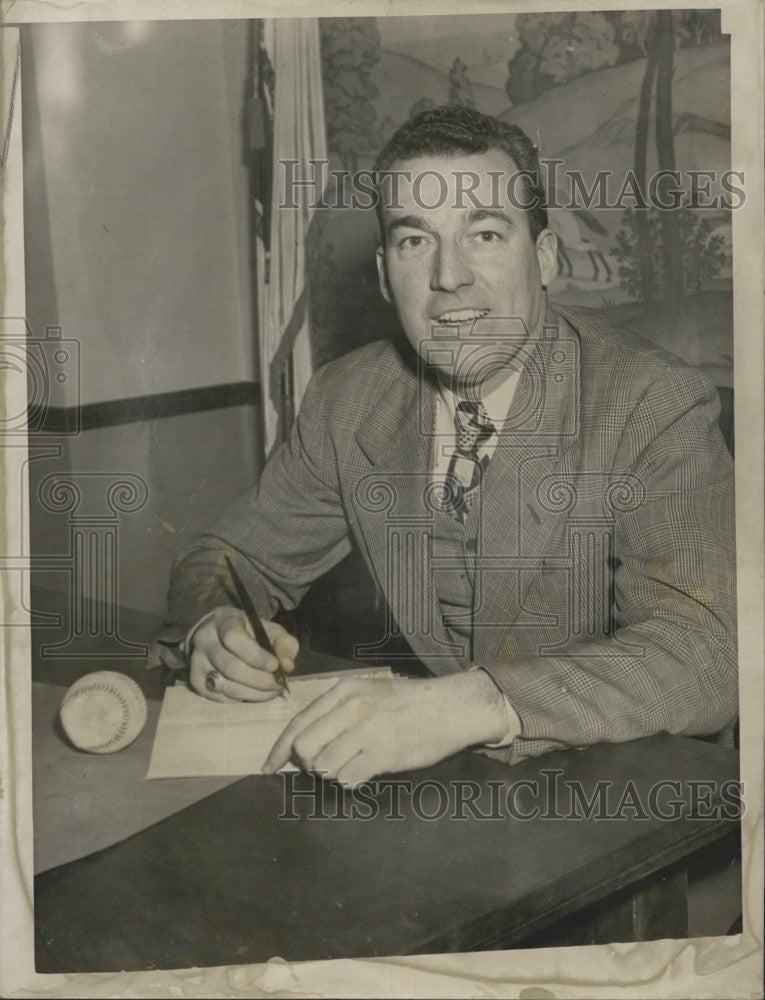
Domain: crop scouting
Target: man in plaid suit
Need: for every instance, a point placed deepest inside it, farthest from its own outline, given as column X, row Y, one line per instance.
column 545, row 502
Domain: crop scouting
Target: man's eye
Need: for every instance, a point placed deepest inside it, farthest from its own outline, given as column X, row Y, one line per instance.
column 411, row 242
column 489, row 236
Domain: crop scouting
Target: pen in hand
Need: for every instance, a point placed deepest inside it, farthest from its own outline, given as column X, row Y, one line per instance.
column 260, row 634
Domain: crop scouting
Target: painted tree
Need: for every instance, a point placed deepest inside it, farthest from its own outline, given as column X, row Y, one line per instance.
column 555, row 48
column 660, row 33
column 633, row 27
column 665, row 151
column 657, row 34
column 703, row 250
column 460, row 87
column 644, row 27
column 350, row 50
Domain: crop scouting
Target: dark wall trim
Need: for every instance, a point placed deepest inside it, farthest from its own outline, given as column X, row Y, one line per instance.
column 113, row 412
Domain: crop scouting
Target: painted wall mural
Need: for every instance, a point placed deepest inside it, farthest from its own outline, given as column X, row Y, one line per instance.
column 612, row 99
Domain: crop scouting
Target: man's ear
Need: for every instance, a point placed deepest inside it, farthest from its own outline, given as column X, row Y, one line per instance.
column 382, row 274
column 547, row 255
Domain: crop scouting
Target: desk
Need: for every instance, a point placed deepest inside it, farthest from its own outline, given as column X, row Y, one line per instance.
column 226, row 880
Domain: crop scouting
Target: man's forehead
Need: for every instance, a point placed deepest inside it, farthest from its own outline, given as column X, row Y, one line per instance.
column 459, row 181
column 458, row 160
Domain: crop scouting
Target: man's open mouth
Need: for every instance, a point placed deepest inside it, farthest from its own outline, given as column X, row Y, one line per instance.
column 461, row 315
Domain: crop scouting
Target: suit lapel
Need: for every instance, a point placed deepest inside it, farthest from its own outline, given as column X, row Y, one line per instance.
column 393, row 515
column 520, row 507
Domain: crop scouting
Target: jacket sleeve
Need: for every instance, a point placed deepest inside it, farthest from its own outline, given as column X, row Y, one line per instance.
column 281, row 537
column 670, row 661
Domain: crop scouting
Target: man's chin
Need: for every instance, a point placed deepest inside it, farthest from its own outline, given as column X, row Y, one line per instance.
column 476, row 371
column 469, row 388
column 459, row 385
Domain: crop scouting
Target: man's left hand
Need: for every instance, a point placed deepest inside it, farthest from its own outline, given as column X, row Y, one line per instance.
column 361, row 728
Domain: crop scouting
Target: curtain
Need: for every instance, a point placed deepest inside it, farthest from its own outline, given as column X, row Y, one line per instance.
column 291, row 112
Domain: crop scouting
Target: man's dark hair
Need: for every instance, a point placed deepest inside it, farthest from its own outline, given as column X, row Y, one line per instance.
column 454, row 129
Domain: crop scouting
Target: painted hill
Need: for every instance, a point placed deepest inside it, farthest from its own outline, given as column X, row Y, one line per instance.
column 590, row 122
column 484, row 43
column 401, row 80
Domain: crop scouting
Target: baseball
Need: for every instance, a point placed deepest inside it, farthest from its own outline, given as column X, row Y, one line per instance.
column 103, row 712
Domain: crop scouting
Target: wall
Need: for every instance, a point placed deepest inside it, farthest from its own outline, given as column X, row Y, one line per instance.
column 134, row 194
column 137, row 246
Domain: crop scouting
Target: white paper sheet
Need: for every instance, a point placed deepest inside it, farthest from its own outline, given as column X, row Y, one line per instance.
column 197, row 737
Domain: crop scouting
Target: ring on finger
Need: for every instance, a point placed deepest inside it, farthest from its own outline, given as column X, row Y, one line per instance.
column 214, row 681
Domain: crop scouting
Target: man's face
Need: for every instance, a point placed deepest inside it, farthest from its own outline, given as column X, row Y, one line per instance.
column 456, row 272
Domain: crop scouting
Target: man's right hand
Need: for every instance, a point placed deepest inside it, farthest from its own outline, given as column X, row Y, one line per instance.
column 223, row 643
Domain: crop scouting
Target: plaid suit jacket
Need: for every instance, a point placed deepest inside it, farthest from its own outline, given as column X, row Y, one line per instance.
column 605, row 556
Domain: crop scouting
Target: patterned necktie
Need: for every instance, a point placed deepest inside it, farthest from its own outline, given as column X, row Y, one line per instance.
column 466, row 468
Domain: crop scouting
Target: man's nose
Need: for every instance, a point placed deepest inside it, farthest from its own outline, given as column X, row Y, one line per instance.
column 451, row 270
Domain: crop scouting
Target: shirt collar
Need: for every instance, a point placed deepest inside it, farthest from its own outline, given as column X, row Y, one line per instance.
column 497, row 402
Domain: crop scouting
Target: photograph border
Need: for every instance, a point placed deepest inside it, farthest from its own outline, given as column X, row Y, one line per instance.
column 704, row 967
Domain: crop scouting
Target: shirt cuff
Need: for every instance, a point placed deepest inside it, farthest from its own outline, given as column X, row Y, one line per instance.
column 513, row 721
column 187, row 639
column 513, row 727
column 174, row 653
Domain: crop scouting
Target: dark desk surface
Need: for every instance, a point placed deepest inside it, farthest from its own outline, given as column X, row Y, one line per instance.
column 226, row 880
